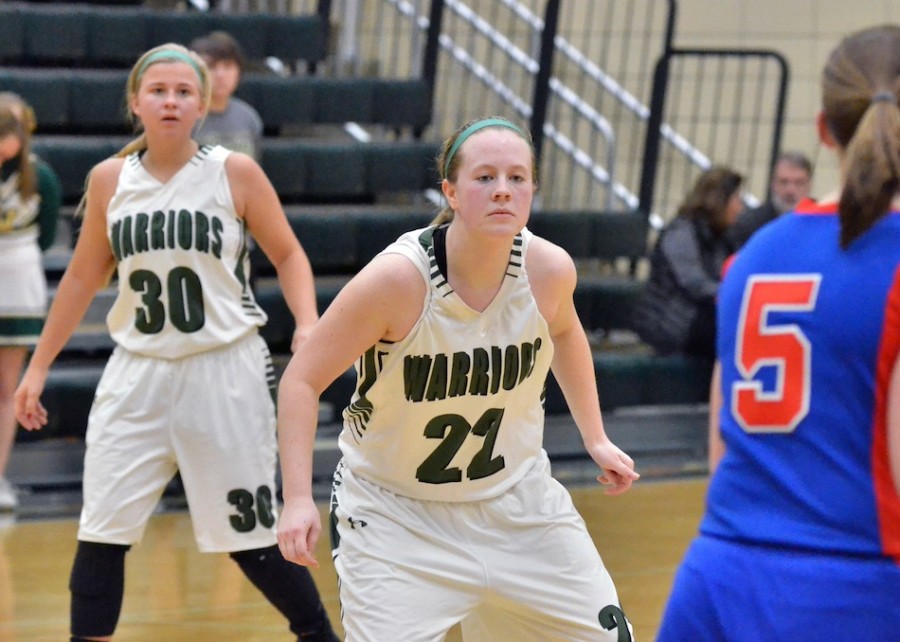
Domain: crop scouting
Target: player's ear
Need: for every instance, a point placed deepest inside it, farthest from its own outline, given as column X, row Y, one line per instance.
column 449, row 190
column 133, row 106
column 824, row 131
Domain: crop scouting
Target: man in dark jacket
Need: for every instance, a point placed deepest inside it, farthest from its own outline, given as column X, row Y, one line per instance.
column 791, row 182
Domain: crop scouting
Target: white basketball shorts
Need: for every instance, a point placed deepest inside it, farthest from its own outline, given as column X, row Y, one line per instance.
column 210, row 416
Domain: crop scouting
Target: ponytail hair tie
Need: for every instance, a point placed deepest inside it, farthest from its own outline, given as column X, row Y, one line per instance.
column 884, row 97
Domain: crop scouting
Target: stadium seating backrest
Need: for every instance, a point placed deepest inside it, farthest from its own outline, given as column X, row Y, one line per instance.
column 81, row 35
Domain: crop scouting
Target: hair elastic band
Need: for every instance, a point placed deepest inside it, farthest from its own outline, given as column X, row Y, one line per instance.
column 471, row 129
column 170, row 55
column 884, row 97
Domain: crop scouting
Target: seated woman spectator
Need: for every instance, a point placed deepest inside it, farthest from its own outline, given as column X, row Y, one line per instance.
column 676, row 312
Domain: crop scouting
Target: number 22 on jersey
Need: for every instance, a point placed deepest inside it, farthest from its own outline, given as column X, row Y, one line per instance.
column 762, row 342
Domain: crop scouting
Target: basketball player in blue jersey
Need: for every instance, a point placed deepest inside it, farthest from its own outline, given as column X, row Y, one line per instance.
column 443, row 507
column 189, row 384
column 801, row 537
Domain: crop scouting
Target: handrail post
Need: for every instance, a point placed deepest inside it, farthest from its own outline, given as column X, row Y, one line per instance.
column 541, row 95
column 654, row 122
column 432, row 49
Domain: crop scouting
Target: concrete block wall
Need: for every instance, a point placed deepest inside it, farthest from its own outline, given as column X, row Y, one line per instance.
column 804, row 32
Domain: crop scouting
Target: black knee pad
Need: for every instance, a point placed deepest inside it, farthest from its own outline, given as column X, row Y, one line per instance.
column 97, row 584
column 290, row 589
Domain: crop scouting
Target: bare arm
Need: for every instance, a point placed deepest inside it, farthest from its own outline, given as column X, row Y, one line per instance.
column 573, row 365
column 716, row 445
column 258, row 204
column 382, row 302
column 89, row 270
column 893, row 425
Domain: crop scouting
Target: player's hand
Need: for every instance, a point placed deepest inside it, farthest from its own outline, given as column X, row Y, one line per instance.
column 298, row 531
column 30, row 413
column 618, row 467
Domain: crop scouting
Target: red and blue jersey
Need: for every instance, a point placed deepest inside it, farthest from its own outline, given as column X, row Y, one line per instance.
column 808, row 336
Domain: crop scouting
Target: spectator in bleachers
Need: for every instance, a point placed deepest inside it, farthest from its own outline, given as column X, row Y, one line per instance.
column 30, row 196
column 189, row 385
column 230, row 121
column 444, row 506
column 791, row 183
column 676, row 312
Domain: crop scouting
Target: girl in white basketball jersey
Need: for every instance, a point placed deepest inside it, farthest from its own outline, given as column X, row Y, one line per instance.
column 443, row 509
column 30, row 196
column 188, row 387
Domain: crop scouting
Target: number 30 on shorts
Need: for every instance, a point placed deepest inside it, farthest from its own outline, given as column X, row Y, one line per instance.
column 250, row 512
column 784, row 346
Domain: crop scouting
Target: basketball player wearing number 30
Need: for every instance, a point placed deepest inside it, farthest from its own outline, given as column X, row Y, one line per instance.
column 801, row 537
column 188, row 386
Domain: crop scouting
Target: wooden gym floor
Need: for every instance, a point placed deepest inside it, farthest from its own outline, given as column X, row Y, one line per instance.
column 174, row 593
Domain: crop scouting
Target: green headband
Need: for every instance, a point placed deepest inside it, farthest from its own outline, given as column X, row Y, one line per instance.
column 171, row 55
column 475, row 127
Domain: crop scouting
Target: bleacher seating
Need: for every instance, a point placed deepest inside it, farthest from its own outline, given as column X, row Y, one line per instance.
column 92, row 101
column 74, row 61
column 343, row 241
column 300, row 170
column 79, row 35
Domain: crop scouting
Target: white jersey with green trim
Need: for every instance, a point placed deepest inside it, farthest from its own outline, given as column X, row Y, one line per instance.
column 18, row 216
column 455, row 410
column 182, row 260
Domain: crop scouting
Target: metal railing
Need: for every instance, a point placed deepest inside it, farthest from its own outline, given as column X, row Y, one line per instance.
column 712, row 106
column 612, row 130
column 499, row 57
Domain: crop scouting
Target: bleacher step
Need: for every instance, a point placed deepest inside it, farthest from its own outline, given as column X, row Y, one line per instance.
column 665, row 442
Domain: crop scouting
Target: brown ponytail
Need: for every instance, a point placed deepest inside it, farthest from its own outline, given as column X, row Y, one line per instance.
column 860, row 89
